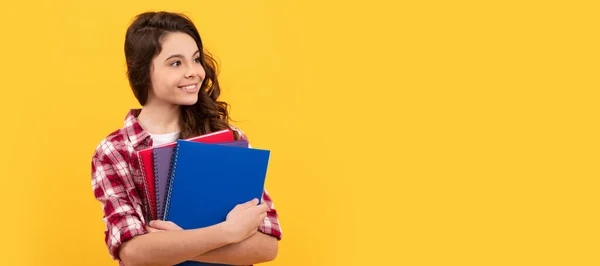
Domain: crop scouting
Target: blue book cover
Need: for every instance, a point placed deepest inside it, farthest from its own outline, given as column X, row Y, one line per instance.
column 207, row 181
column 163, row 158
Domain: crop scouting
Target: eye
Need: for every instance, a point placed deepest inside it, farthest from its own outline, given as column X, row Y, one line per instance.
column 176, row 63
column 197, row 60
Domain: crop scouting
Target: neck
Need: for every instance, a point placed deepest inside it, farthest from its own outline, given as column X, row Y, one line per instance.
column 159, row 118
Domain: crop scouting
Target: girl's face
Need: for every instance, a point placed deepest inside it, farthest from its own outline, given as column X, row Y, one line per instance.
column 176, row 73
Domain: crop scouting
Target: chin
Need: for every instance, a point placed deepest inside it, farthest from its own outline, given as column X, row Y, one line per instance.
column 189, row 101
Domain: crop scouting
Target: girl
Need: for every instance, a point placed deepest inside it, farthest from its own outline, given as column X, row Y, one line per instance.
column 176, row 83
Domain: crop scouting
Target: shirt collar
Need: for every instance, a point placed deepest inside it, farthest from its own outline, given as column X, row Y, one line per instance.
column 136, row 134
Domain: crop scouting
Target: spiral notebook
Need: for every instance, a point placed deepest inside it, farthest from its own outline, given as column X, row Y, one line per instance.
column 163, row 157
column 145, row 159
column 208, row 180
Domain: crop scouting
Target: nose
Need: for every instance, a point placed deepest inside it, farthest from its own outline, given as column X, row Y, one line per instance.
column 191, row 72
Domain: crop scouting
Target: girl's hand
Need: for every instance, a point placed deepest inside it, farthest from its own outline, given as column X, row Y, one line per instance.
column 243, row 220
column 159, row 225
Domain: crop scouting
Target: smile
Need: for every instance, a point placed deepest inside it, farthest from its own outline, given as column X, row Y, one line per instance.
column 190, row 88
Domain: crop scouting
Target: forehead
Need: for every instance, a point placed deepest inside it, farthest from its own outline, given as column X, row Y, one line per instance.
column 178, row 43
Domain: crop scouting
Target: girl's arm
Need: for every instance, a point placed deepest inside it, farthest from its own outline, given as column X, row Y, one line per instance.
column 258, row 248
column 173, row 247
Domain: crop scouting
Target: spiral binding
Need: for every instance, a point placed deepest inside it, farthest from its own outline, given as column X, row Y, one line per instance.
column 154, row 157
column 146, row 188
column 168, row 183
column 171, row 180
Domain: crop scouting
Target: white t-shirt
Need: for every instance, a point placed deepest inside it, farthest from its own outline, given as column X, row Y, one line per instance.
column 159, row 139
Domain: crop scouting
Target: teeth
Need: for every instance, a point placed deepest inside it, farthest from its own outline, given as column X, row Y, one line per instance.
column 190, row 87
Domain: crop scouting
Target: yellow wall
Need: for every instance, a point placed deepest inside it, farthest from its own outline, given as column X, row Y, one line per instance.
column 415, row 133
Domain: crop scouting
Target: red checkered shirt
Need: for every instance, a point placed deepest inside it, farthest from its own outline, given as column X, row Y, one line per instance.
column 118, row 184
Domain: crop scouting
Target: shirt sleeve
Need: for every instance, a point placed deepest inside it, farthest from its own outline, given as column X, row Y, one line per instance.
column 241, row 134
column 270, row 225
column 122, row 215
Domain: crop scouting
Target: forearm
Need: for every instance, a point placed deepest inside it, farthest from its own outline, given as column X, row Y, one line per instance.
column 172, row 247
column 256, row 249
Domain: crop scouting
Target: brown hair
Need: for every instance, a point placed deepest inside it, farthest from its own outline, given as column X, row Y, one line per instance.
column 143, row 43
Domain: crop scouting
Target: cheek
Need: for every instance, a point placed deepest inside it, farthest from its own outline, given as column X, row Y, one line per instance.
column 202, row 72
column 164, row 82
column 170, row 79
column 173, row 80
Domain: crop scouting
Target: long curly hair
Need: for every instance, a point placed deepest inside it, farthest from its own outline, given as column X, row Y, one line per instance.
column 143, row 43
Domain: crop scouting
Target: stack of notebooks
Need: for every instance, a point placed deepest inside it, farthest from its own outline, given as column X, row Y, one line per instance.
column 196, row 182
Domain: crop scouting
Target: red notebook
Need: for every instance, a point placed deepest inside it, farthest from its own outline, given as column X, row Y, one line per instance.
column 147, row 163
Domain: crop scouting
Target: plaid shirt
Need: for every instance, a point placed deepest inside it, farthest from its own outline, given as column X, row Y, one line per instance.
column 118, row 184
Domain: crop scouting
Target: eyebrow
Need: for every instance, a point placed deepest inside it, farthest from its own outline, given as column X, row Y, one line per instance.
column 181, row 56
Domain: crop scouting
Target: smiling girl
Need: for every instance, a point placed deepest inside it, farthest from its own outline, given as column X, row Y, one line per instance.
column 175, row 81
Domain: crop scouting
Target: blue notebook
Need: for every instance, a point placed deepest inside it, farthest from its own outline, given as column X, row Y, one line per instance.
column 209, row 180
column 163, row 156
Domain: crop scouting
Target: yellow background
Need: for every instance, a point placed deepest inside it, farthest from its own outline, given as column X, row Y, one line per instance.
column 402, row 132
